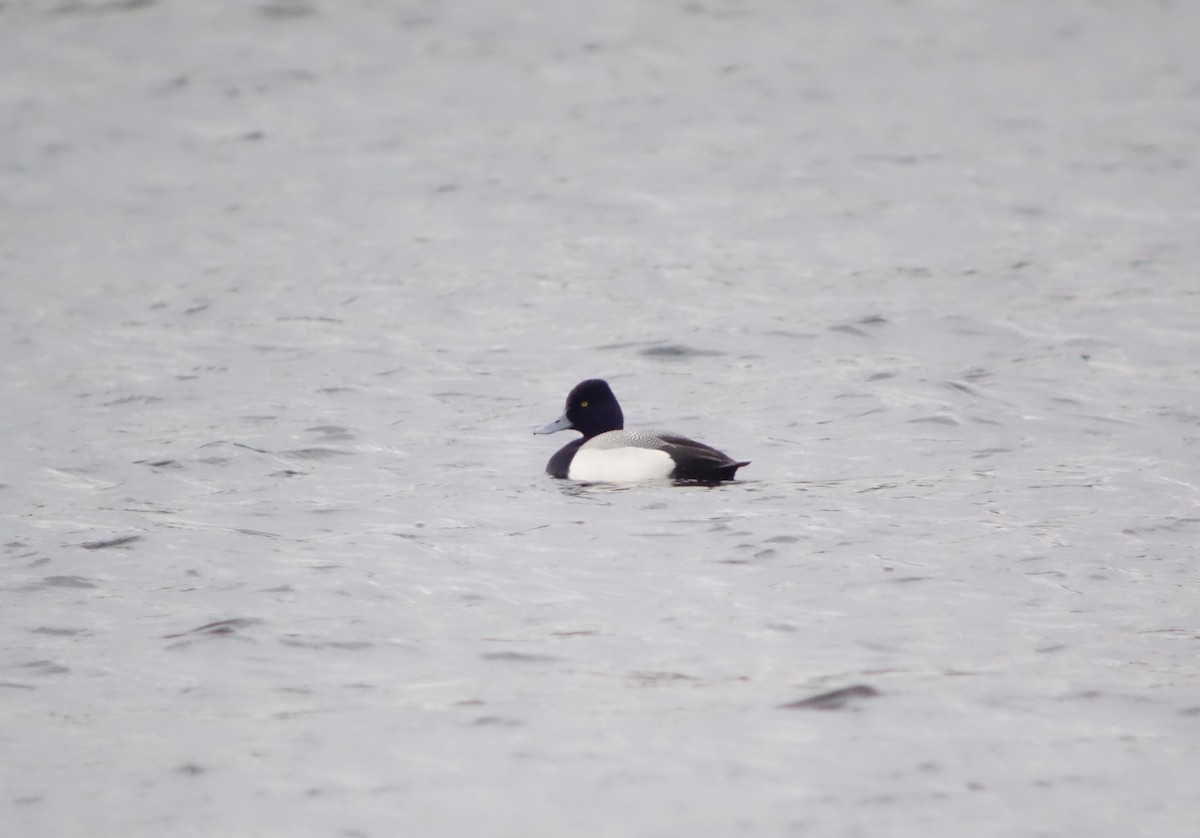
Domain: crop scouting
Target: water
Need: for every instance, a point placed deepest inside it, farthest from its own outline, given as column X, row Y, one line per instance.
column 288, row 287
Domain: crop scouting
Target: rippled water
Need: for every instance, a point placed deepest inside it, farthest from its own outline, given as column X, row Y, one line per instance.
column 288, row 287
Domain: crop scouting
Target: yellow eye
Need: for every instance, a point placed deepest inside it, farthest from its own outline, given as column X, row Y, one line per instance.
column 583, row 404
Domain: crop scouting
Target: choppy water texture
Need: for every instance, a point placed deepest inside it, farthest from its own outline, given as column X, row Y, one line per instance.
column 287, row 286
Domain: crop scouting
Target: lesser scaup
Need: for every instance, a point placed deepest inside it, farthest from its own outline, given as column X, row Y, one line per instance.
column 610, row 454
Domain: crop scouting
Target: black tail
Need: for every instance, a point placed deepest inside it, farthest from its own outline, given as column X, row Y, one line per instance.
column 728, row 472
column 707, row 471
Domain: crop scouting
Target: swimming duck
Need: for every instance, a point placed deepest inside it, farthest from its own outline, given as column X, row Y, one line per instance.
column 608, row 453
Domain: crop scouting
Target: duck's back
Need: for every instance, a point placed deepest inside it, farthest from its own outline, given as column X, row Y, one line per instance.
column 645, row 455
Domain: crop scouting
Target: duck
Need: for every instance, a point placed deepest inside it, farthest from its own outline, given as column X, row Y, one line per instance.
column 607, row 453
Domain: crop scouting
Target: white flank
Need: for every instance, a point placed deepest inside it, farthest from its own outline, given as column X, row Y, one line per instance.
column 620, row 465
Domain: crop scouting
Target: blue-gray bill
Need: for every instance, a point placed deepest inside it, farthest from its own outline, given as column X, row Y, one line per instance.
column 562, row 423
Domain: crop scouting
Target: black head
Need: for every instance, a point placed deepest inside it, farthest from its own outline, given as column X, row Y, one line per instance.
column 591, row 409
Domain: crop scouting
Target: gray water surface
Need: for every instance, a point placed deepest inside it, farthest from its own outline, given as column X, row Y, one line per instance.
column 287, row 286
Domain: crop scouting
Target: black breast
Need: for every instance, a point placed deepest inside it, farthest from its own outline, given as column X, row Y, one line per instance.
column 560, row 463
